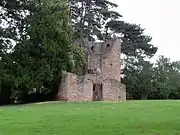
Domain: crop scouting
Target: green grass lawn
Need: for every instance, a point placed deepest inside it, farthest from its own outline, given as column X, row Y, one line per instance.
column 126, row 118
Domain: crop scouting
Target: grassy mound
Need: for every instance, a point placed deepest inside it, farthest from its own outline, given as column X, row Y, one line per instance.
column 126, row 118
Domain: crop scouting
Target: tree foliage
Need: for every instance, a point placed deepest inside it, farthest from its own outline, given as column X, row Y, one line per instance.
column 95, row 20
column 159, row 80
column 43, row 47
column 138, row 77
column 167, row 75
column 90, row 17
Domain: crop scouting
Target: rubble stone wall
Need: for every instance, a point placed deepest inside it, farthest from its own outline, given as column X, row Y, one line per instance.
column 80, row 88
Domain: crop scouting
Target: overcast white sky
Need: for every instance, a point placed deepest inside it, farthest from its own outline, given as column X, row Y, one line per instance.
column 161, row 20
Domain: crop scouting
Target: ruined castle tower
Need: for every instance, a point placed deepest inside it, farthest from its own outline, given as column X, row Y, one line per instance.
column 102, row 80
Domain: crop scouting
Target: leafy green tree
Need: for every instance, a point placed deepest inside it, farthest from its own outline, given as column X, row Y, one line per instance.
column 43, row 49
column 138, row 78
column 90, row 16
column 154, row 81
column 167, row 77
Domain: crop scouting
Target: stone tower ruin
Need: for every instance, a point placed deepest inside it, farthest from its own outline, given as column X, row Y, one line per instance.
column 102, row 81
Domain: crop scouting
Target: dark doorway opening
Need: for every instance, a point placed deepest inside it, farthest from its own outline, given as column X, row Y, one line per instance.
column 97, row 92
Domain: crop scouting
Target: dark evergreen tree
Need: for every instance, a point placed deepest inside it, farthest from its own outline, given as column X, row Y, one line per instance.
column 43, row 46
column 95, row 19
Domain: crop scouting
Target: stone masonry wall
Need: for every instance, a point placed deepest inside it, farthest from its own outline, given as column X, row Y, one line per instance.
column 106, row 57
column 113, row 91
column 111, row 60
column 75, row 88
column 80, row 88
